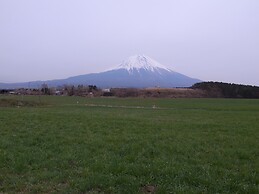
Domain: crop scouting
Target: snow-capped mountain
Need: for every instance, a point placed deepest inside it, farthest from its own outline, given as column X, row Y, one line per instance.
column 138, row 71
column 139, row 62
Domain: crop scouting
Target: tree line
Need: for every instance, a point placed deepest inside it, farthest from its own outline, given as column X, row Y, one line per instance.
column 228, row 90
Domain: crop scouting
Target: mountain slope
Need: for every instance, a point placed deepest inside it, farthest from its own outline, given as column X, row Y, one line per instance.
column 137, row 71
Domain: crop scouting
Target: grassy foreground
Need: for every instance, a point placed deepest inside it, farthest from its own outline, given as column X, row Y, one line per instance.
column 111, row 145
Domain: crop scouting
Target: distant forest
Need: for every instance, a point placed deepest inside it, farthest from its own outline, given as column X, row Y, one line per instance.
column 228, row 90
column 198, row 90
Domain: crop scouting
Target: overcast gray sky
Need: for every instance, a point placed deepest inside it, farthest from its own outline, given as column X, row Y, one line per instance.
column 206, row 39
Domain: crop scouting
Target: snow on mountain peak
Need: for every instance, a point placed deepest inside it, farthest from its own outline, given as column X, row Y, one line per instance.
column 138, row 62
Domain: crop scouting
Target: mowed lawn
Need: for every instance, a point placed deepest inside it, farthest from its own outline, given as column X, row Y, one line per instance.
column 129, row 145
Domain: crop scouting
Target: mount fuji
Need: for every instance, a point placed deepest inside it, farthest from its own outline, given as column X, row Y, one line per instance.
column 138, row 71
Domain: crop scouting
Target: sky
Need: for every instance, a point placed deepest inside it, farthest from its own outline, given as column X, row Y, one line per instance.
column 212, row 40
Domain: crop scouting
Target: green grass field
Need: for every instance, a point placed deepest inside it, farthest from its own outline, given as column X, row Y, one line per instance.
column 120, row 145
